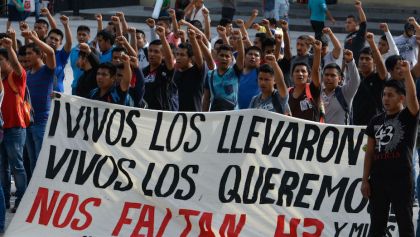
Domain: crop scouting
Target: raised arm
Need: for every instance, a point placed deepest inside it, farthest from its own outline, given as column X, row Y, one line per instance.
column 13, row 60
column 245, row 37
column 198, row 58
column 316, row 64
column 266, row 25
column 251, row 19
column 277, row 50
column 50, row 55
column 380, row 65
column 92, row 58
column 124, row 24
column 99, row 21
column 189, row 9
column 410, row 87
column 23, row 26
column 206, row 53
column 12, row 34
column 287, row 50
column 152, row 26
column 45, row 12
column 241, row 51
column 172, row 14
column 416, row 69
column 221, row 30
column 122, row 41
column 133, row 39
column 127, row 73
column 336, row 43
column 67, row 32
column 117, row 24
column 392, row 46
column 362, row 15
column 278, row 74
column 166, row 49
column 191, row 26
column 207, row 29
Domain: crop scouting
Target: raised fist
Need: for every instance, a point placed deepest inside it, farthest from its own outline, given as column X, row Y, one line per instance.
column 150, row 22
column 348, row 55
column 384, row 27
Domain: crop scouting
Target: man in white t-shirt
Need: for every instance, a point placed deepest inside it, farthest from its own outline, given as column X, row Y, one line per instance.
column 406, row 43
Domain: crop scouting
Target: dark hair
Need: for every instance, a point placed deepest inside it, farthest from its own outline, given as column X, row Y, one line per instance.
column 56, row 31
column 253, row 48
column 180, row 14
column 188, row 47
column 353, row 17
column 324, row 40
column 334, row 66
column 272, row 21
column 225, row 47
column 219, row 41
column 141, row 33
column 267, row 42
column 383, row 37
column 83, row 28
column 3, row 52
column 366, row 50
column 166, row 19
column 267, row 69
column 261, row 35
column 42, row 21
column 3, row 35
column 34, row 48
column 119, row 49
column 301, row 64
column 225, row 21
column 106, row 36
column 197, row 24
column 156, row 42
column 303, row 37
column 22, row 51
column 391, row 61
column 397, row 85
column 111, row 68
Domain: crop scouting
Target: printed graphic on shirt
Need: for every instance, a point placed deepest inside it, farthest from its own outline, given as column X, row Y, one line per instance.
column 389, row 135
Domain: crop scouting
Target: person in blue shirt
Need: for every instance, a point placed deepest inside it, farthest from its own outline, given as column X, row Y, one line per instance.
column 319, row 10
column 248, row 83
column 83, row 36
column 221, row 87
column 105, row 42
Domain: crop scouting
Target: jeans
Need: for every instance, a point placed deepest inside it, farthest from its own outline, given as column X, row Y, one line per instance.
column 34, row 137
column 11, row 159
column 2, row 210
column 317, row 26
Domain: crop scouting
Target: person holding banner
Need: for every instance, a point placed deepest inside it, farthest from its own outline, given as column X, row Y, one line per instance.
column 387, row 173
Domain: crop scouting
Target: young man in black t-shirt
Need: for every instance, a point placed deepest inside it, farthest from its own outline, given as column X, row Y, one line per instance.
column 189, row 75
column 387, row 173
column 355, row 40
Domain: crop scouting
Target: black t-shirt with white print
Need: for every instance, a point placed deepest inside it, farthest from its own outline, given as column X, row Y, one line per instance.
column 394, row 142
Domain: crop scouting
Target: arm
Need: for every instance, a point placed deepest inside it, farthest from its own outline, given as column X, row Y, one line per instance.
column 392, row 47
column 123, row 21
column 251, row 19
column 279, row 40
column 206, row 100
column 349, row 88
column 266, row 25
column 139, row 87
column 196, row 30
column 92, row 58
column 12, row 34
column 51, row 20
column 416, row 69
column 336, row 43
column 175, row 26
column 50, row 55
column 166, row 49
column 207, row 27
column 222, row 34
column 316, row 64
column 278, row 75
column 410, row 87
column 287, row 50
column 198, row 58
column 362, row 15
column 127, row 74
column 245, row 37
column 241, row 51
column 206, row 54
column 152, row 26
column 380, row 65
column 188, row 10
column 13, row 60
column 133, row 39
column 367, row 166
column 99, row 21
column 65, row 21
column 23, row 26
column 117, row 24
column 124, row 43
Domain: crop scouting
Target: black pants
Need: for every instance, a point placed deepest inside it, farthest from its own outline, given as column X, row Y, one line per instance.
column 317, row 26
column 399, row 193
column 228, row 12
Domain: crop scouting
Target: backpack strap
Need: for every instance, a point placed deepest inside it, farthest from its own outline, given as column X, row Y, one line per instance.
column 276, row 102
column 342, row 101
column 319, row 107
column 12, row 84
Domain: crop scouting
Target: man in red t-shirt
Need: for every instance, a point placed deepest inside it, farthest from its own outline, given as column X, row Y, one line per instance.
column 11, row 150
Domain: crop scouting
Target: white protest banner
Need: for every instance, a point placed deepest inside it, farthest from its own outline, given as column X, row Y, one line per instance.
column 109, row 170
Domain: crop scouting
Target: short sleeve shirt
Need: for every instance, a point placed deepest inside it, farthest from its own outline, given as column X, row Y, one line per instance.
column 258, row 102
column 302, row 107
column 225, row 86
column 61, row 57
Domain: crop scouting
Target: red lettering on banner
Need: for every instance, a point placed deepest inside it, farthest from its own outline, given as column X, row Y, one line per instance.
column 229, row 225
column 294, row 222
column 205, row 225
column 46, row 209
column 187, row 213
column 148, row 222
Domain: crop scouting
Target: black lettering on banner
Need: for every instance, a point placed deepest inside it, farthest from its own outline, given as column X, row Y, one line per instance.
column 181, row 134
column 148, row 192
column 232, row 193
column 184, row 174
column 338, row 229
column 353, row 149
column 72, row 131
column 220, row 148
column 357, row 228
column 330, row 147
column 197, row 132
column 131, row 165
column 286, row 188
column 112, row 177
column 233, row 148
column 268, row 186
column 252, row 133
column 111, row 123
column 97, row 130
column 52, row 170
column 349, row 198
column 161, row 180
column 153, row 145
column 83, row 174
column 326, row 188
column 291, row 130
column 269, row 143
column 86, row 124
column 304, row 190
column 132, row 125
column 54, row 118
column 248, row 185
column 308, row 143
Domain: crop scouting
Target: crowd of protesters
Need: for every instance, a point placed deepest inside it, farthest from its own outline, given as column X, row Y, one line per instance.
column 174, row 65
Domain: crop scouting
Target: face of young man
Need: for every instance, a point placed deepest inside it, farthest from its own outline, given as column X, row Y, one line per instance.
column 391, row 100
column 116, row 57
column 266, row 82
column 32, row 57
column 366, row 64
column 24, row 62
column 4, row 65
column 257, row 42
column 252, row 59
column 397, row 73
column 41, row 29
column 83, row 37
column 182, row 59
column 269, row 49
column 383, row 46
column 54, row 41
column 331, row 78
column 140, row 40
column 104, row 79
column 300, row 75
column 351, row 25
column 81, row 62
column 155, row 54
column 103, row 44
column 224, row 58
